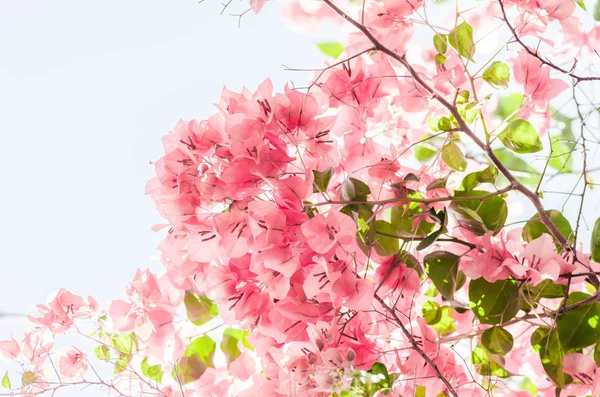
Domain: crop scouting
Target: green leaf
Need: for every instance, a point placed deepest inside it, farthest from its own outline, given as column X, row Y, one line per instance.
column 199, row 308
column 494, row 303
column 442, row 219
column 432, row 312
column 497, row 340
column 446, row 324
column 322, row 179
column 551, row 351
column 440, row 43
column 331, row 49
column 461, row 38
column 403, row 216
column 534, row 228
column 597, row 11
column 579, row 327
column 424, row 153
column 120, row 366
column 354, row 190
column 479, row 216
column 196, row 359
column 232, row 337
column 444, row 124
column 497, row 75
column 385, row 245
column 102, row 352
column 439, row 183
column 463, row 97
column 595, row 242
column 513, row 162
column 152, row 372
column 439, row 61
column 126, row 344
column 561, row 159
column 597, row 354
column 474, row 179
column 486, row 365
column 581, row 4
column 454, row 157
column 442, row 269
column 547, row 290
column 509, row 105
column 6, row 381
column 521, row 137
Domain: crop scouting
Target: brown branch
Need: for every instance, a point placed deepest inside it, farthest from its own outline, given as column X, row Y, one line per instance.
column 534, row 198
column 416, row 347
column 417, row 200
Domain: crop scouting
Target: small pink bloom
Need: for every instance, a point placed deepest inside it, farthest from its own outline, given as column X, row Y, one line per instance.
column 73, row 364
column 9, row 349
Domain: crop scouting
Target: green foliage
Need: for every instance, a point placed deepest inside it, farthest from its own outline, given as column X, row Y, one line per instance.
column 479, row 215
column 424, row 153
column 331, row 49
column 494, row 303
column 508, row 106
column 383, row 244
column 232, row 337
column 322, row 179
column 441, row 218
column 102, row 352
column 547, row 290
column 431, row 312
column 561, row 159
column 474, row 179
column 374, row 382
column 497, row 340
column 199, row 308
column 461, row 39
column 442, row 269
column 497, row 75
column 440, row 42
column 445, row 325
column 403, row 216
column 595, row 242
column 597, row 11
column 551, row 351
column 453, row 156
column 125, row 343
column 6, row 381
column 514, row 162
column 521, row 137
column 487, row 365
column 196, row 359
column 152, row 372
column 354, row 190
column 444, row 124
column 534, row 228
column 579, row 327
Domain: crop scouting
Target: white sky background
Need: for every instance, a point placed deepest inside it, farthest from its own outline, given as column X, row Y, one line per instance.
column 87, row 90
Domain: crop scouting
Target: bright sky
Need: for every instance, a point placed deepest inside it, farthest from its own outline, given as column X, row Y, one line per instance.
column 88, row 88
